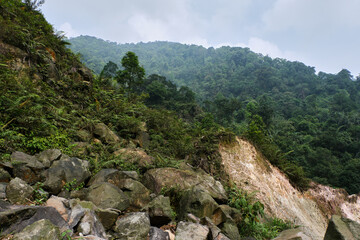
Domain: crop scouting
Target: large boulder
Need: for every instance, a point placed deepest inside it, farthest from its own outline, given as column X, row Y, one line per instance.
column 106, row 195
column 105, row 134
column 112, row 176
column 342, row 229
column 194, row 231
column 160, row 211
column 26, row 167
column 161, row 178
column 14, row 220
column 231, row 231
column 40, row 230
column 134, row 226
column 60, row 204
column 198, row 202
column 138, row 194
column 64, row 171
column 18, row 191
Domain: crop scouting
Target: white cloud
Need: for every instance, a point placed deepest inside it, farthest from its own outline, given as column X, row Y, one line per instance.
column 68, row 30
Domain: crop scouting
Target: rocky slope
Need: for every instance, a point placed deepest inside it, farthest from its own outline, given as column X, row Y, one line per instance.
column 311, row 209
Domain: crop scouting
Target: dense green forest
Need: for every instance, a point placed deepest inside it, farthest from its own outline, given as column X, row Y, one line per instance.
column 292, row 113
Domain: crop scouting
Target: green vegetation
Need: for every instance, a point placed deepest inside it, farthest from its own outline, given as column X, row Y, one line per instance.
column 295, row 116
column 252, row 211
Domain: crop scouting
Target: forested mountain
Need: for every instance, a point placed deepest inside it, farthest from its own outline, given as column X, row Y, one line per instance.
column 286, row 108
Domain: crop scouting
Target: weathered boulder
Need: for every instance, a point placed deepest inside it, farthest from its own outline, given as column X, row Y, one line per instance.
column 48, row 156
column 40, row 230
column 214, row 230
column 158, row 234
column 198, row 202
column 107, row 217
column 342, row 229
column 18, row 191
column 159, row 178
column 106, row 195
column 65, row 170
column 15, row 220
column 135, row 156
column 135, row 226
column 4, row 176
column 231, row 231
column 84, row 135
column 3, row 190
column 226, row 213
column 194, row 231
column 105, row 134
column 160, row 211
column 138, row 194
column 292, row 234
column 26, row 167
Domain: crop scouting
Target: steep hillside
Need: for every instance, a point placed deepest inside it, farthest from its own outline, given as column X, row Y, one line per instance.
column 249, row 170
column 308, row 118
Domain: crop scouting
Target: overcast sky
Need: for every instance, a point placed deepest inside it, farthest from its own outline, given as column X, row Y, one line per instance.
column 324, row 34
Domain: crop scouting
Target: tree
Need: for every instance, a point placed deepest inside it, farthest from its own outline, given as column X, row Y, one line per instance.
column 109, row 70
column 133, row 74
column 33, row 4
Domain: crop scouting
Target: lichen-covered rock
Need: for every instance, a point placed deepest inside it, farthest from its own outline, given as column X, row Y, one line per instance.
column 64, row 171
column 193, row 231
column 19, row 192
column 40, row 230
column 134, row 226
column 198, row 202
column 48, row 156
column 106, row 195
column 159, row 178
column 138, row 194
column 18, row 158
column 342, row 229
column 231, row 231
column 107, row 217
column 112, row 176
column 292, row 234
column 160, row 211
column 105, row 134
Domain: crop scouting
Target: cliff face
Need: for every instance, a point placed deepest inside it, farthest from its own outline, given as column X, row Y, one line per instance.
column 311, row 210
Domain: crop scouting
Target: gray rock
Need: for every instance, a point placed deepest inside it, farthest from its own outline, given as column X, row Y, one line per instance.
column 89, row 225
column 292, row 234
column 105, row 134
column 77, row 212
column 106, row 195
column 158, row 234
column 160, row 178
column 18, row 191
column 65, row 170
column 26, row 167
column 342, row 229
column 197, row 202
column 4, row 176
column 15, row 220
column 112, row 176
column 134, row 226
column 61, row 205
column 160, row 211
column 3, row 190
column 40, row 230
column 138, row 194
column 214, row 230
column 84, row 135
column 231, row 231
column 193, row 231
column 48, row 156
column 135, row 156
column 107, row 217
